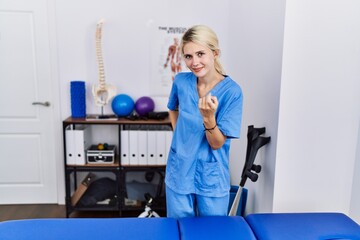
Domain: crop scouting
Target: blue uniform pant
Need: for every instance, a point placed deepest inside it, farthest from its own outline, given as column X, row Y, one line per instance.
column 190, row 205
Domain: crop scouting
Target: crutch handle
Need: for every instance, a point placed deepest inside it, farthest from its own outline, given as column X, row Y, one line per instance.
column 253, row 176
column 256, row 168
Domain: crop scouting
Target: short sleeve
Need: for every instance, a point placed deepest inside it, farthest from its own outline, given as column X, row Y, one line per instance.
column 230, row 123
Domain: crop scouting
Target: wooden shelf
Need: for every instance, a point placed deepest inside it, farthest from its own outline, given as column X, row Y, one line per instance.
column 119, row 121
column 94, row 165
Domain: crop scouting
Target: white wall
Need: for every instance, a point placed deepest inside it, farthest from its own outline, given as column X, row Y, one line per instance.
column 319, row 107
column 256, row 38
column 317, row 74
column 125, row 44
column 125, row 40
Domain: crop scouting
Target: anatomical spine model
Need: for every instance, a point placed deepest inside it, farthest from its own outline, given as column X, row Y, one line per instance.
column 103, row 92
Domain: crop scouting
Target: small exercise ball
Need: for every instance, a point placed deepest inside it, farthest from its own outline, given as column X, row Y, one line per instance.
column 122, row 105
column 144, row 105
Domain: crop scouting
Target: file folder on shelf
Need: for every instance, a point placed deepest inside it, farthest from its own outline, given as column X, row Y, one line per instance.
column 133, row 147
column 125, row 147
column 82, row 143
column 70, row 145
column 142, row 147
column 160, row 147
column 151, row 143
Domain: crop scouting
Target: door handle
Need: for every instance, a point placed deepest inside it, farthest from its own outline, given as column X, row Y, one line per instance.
column 45, row 104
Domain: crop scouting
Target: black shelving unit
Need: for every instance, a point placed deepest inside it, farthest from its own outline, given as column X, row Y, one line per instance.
column 117, row 168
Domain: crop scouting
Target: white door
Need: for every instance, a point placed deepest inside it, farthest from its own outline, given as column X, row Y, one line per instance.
column 27, row 162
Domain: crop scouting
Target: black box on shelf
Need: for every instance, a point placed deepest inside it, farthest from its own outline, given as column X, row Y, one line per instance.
column 96, row 156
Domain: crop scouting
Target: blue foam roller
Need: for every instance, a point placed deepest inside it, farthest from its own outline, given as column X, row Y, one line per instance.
column 78, row 99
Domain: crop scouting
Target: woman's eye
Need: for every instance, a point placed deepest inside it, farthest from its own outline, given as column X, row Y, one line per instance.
column 200, row 54
column 187, row 56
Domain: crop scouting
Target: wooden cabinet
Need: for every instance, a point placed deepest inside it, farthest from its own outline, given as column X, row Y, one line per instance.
column 78, row 180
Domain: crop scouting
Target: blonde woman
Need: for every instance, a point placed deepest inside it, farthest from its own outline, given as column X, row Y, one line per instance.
column 205, row 109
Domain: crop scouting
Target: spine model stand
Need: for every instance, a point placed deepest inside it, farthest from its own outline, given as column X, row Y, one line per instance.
column 102, row 92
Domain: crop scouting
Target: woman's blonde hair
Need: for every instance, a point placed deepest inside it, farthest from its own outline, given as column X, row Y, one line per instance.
column 205, row 36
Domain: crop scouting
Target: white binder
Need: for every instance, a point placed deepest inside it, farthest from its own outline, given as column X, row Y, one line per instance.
column 160, row 147
column 133, row 147
column 82, row 143
column 168, row 140
column 125, row 154
column 142, row 147
column 70, row 145
column 151, row 147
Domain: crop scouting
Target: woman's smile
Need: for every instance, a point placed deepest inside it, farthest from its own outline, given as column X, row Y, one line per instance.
column 197, row 69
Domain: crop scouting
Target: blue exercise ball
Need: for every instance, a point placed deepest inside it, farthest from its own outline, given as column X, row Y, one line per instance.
column 144, row 105
column 122, row 105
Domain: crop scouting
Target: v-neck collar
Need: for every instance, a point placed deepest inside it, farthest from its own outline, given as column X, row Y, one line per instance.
column 213, row 91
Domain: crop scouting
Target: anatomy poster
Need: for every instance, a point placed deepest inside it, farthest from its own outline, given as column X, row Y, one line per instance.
column 166, row 59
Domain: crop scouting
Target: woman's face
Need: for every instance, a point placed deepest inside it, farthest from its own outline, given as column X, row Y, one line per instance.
column 199, row 59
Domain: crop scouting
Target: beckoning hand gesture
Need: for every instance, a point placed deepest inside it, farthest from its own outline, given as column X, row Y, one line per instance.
column 208, row 105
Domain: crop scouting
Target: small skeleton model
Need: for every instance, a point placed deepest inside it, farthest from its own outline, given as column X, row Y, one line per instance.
column 103, row 92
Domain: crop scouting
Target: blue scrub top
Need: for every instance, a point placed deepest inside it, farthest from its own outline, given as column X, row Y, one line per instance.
column 193, row 166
